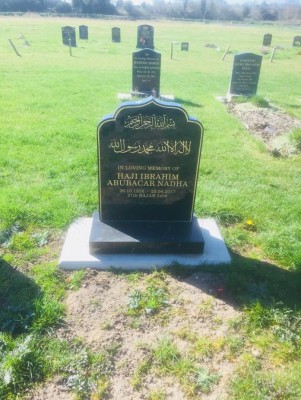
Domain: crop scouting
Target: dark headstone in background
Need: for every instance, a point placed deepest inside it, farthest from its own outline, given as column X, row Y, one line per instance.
column 68, row 34
column 267, row 39
column 245, row 74
column 297, row 41
column 116, row 34
column 184, row 46
column 149, row 154
column 146, row 72
column 145, row 37
column 83, row 32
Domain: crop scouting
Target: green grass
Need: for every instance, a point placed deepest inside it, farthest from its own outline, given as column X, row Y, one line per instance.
column 296, row 138
column 165, row 359
column 152, row 299
column 252, row 383
column 51, row 105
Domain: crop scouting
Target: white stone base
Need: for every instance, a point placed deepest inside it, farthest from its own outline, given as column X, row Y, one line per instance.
column 75, row 253
column 128, row 96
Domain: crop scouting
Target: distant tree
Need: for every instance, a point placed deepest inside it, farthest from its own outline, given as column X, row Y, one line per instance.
column 203, row 8
column 290, row 12
column 63, row 8
column 77, row 4
column 22, row 5
column 211, row 11
column 267, row 12
column 245, row 12
column 132, row 10
column 94, row 6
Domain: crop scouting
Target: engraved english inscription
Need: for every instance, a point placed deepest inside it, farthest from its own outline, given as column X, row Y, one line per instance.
column 146, row 72
column 245, row 74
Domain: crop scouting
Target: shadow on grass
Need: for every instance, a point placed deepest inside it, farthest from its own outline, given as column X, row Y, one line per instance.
column 187, row 102
column 244, row 282
column 18, row 294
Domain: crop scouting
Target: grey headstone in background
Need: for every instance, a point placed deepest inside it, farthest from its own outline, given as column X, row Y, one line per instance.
column 116, row 34
column 267, row 39
column 245, row 74
column 68, row 34
column 146, row 72
column 83, row 32
column 184, row 46
column 297, row 41
column 145, row 37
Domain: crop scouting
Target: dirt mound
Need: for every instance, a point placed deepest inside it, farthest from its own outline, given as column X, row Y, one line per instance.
column 271, row 125
column 97, row 313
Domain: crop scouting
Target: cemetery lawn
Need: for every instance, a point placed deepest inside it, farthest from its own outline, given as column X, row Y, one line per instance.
column 226, row 332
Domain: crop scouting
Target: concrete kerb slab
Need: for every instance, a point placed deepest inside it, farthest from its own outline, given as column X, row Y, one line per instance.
column 75, row 253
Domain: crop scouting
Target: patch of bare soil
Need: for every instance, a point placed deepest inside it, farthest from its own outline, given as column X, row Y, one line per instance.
column 271, row 125
column 96, row 313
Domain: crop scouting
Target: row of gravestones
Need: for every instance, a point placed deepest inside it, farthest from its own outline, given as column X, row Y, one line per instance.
column 146, row 63
column 267, row 40
column 244, row 78
column 69, row 35
column 146, row 67
column 145, row 36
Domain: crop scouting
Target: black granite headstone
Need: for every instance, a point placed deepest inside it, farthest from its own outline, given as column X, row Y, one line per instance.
column 68, row 36
column 116, row 35
column 83, row 32
column 297, row 41
column 145, row 37
column 146, row 70
column 245, row 74
column 267, row 39
column 149, row 154
column 184, row 46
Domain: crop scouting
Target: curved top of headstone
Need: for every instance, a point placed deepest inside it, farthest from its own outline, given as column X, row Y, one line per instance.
column 145, row 36
column 246, row 54
column 155, row 105
column 68, row 27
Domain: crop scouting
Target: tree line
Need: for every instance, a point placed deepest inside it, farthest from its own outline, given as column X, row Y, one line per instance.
column 192, row 9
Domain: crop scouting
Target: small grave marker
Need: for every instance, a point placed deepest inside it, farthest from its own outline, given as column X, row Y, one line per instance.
column 146, row 72
column 245, row 74
column 184, row 46
column 273, row 54
column 171, row 48
column 145, row 37
column 14, row 48
column 267, row 39
column 149, row 154
column 225, row 53
column 116, row 34
column 297, row 41
column 83, row 32
column 68, row 32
